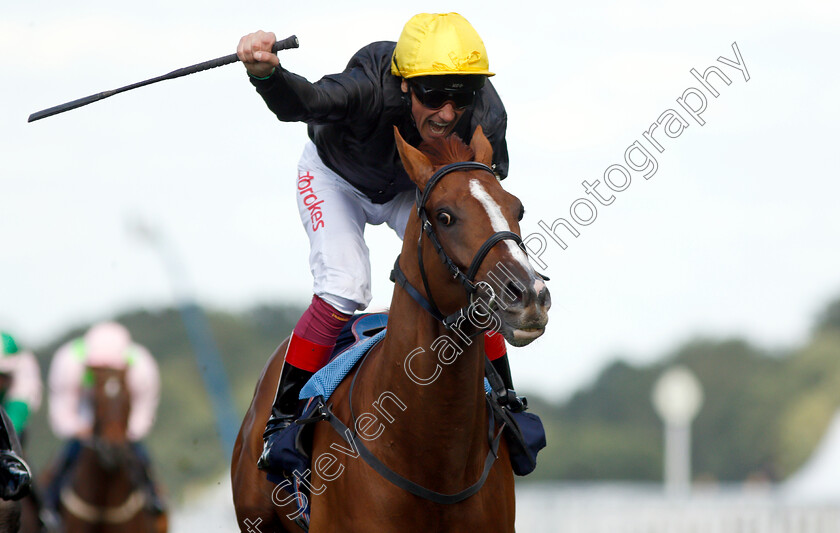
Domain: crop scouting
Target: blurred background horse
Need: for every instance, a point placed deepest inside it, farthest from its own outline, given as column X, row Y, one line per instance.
column 104, row 492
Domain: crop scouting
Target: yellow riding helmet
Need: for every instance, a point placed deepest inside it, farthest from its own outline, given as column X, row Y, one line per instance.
column 434, row 44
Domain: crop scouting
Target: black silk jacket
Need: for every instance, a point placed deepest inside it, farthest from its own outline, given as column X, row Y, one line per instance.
column 351, row 118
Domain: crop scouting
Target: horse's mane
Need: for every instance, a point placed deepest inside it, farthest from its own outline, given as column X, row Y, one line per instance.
column 442, row 151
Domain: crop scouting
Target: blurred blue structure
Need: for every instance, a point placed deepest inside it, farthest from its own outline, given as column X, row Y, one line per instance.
column 200, row 335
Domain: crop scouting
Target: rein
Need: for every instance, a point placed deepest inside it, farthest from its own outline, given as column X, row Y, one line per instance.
column 427, row 302
column 323, row 412
column 372, row 461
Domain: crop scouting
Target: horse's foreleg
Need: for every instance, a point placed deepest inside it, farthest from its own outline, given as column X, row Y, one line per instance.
column 256, row 511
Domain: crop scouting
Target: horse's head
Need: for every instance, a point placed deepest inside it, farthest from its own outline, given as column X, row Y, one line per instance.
column 467, row 218
column 111, row 403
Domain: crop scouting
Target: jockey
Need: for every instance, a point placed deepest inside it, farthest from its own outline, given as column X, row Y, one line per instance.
column 21, row 394
column 109, row 345
column 430, row 84
column 22, row 386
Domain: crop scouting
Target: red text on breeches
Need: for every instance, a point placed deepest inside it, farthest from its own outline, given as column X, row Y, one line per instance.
column 310, row 200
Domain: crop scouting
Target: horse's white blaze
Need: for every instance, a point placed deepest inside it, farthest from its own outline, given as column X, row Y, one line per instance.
column 497, row 220
column 112, row 387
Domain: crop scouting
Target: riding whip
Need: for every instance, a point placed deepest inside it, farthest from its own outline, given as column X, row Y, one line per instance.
column 289, row 42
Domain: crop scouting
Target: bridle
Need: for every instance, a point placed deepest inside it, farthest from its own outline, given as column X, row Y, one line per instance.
column 427, row 302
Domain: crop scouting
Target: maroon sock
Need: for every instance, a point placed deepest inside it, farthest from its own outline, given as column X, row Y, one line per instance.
column 319, row 327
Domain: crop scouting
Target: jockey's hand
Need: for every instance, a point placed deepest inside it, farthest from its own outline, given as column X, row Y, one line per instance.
column 254, row 50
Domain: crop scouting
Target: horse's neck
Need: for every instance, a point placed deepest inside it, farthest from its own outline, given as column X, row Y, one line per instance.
column 435, row 373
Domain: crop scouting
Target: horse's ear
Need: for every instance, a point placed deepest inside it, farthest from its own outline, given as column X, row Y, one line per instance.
column 417, row 165
column 481, row 147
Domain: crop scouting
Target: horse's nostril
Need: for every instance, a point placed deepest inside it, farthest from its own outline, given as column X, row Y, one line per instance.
column 544, row 298
column 515, row 291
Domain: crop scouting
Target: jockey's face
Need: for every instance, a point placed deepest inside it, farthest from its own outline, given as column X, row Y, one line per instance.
column 433, row 123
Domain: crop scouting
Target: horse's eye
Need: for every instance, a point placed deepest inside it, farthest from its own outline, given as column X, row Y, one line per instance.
column 521, row 213
column 445, row 218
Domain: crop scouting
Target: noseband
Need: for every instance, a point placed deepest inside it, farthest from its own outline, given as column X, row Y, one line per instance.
column 466, row 280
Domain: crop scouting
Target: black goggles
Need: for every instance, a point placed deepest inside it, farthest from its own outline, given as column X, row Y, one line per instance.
column 437, row 98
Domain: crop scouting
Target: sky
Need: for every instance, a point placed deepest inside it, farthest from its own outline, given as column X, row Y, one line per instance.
column 735, row 233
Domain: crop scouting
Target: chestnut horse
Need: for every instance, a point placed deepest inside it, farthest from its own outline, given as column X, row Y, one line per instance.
column 104, row 492
column 417, row 400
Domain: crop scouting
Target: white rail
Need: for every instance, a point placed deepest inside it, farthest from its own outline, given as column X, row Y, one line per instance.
column 645, row 509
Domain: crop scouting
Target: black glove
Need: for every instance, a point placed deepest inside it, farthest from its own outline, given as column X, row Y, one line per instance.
column 15, row 477
column 515, row 403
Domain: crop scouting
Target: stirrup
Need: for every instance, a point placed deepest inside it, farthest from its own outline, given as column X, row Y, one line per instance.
column 515, row 403
column 277, row 423
column 262, row 461
column 274, row 427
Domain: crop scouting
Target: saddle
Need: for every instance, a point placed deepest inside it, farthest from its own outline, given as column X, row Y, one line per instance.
column 523, row 431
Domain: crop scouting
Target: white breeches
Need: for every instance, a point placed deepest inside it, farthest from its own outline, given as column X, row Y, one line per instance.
column 334, row 214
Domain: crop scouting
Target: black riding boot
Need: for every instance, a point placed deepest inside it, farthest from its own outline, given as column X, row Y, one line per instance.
column 284, row 410
column 15, row 477
column 515, row 403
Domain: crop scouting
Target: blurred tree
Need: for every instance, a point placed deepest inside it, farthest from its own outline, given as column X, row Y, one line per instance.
column 765, row 412
column 814, row 373
column 829, row 319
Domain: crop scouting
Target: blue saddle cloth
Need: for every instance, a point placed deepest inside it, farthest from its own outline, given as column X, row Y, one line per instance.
column 325, row 381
